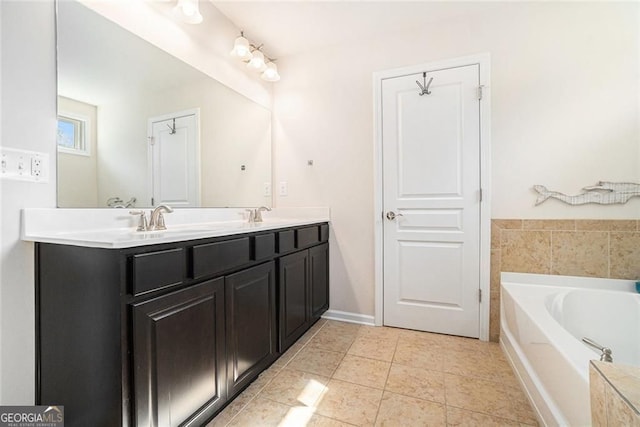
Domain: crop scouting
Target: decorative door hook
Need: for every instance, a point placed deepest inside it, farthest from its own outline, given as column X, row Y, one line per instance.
column 424, row 87
column 173, row 129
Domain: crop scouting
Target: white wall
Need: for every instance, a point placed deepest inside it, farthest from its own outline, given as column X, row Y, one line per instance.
column 565, row 88
column 28, row 94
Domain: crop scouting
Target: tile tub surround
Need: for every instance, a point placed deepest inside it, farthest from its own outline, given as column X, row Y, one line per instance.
column 615, row 394
column 569, row 247
column 342, row 374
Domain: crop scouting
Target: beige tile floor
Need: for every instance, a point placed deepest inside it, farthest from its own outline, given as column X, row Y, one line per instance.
column 341, row 374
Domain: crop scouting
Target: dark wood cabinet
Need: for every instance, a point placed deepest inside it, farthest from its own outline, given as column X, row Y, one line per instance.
column 304, row 292
column 251, row 324
column 166, row 334
column 319, row 280
column 293, row 286
column 179, row 356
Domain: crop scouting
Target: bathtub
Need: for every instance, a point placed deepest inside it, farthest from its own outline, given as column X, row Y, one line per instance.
column 543, row 319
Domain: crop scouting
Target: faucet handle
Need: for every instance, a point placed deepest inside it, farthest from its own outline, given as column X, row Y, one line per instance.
column 142, row 222
column 252, row 215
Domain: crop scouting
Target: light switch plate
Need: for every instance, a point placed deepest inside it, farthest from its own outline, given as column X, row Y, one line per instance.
column 283, row 188
column 24, row 165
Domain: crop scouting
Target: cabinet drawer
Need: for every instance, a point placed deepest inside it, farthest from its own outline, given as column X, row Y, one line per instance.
column 217, row 257
column 156, row 270
column 264, row 246
column 286, row 241
column 307, row 236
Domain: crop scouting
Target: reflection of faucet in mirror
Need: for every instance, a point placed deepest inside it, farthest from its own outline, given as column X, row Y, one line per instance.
column 116, row 202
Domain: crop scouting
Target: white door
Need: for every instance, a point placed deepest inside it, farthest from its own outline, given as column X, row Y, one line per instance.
column 431, row 182
column 175, row 159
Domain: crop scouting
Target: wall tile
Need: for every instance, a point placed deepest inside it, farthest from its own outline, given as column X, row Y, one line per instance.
column 495, row 271
column 549, row 224
column 495, row 236
column 625, row 255
column 494, row 318
column 526, row 251
column 508, row 224
column 618, row 412
column 598, row 398
column 580, row 253
column 606, row 225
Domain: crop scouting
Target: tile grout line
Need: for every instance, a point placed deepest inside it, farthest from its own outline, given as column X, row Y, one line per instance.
column 384, row 388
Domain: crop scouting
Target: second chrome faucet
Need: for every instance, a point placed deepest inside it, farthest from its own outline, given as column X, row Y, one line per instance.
column 255, row 215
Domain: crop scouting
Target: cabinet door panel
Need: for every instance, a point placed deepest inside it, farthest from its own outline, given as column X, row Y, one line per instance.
column 293, row 286
column 251, row 324
column 179, row 358
column 319, row 266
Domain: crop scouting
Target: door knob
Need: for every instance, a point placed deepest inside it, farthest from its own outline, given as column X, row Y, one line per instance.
column 391, row 215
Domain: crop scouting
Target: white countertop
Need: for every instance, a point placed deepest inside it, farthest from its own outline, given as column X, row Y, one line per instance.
column 115, row 228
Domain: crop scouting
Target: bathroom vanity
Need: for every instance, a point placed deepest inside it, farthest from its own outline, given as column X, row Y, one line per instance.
column 165, row 334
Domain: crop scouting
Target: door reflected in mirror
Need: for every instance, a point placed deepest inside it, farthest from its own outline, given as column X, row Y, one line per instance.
column 118, row 96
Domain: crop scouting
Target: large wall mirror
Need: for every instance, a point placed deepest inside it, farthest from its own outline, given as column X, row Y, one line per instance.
column 139, row 127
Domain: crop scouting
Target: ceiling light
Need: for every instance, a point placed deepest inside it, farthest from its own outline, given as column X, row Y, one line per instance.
column 257, row 61
column 271, row 73
column 254, row 57
column 188, row 11
column 242, row 48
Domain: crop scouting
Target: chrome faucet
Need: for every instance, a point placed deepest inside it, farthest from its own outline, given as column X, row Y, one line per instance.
column 255, row 215
column 156, row 222
column 258, row 215
column 606, row 351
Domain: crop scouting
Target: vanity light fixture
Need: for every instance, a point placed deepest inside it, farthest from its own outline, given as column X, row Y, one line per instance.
column 188, row 11
column 256, row 60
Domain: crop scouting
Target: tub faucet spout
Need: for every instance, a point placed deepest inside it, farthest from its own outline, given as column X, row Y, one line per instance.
column 606, row 351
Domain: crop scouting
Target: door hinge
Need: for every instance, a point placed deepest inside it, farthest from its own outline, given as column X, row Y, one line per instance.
column 152, row 202
column 152, row 140
column 480, row 89
column 479, row 295
column 480, row 194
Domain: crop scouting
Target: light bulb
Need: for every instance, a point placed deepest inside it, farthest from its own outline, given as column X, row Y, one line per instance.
column 271, row 73
column 257, row 61
column 241, row 49
column 187, row 11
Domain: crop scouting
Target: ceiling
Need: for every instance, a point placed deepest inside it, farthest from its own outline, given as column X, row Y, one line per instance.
column 290, row 27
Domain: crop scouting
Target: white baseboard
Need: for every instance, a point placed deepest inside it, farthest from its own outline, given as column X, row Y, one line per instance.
column 345, row 316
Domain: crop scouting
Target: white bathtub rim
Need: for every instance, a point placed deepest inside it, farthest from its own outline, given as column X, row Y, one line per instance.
column 577, row 282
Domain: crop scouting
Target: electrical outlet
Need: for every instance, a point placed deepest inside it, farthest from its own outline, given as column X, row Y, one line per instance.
column 266, row 189
column 284, row 188
column 36, row 166
column 23, row 165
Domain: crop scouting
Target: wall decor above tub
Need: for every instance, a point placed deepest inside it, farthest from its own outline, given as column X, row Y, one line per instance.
column 604, row 193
